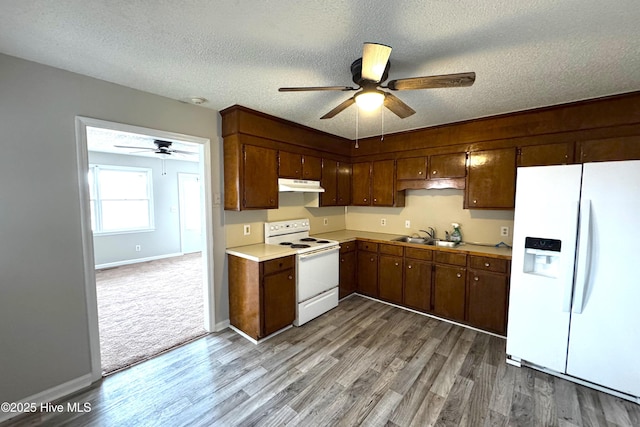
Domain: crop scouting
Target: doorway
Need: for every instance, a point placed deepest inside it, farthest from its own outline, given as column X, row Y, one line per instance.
column 193, row 195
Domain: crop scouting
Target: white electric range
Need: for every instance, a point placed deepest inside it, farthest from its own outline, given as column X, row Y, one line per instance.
column 317, row 266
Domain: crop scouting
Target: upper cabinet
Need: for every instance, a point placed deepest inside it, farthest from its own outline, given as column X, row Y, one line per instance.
column 344, row 183
column 610, row 149
column 250, row 176
column 436, row 171
column 373, row 184
column 298, row 166
column 336, row 181
column 412, row 168
column 447, row 166
column 311, row 168
column 491, row 179
column 547, row 154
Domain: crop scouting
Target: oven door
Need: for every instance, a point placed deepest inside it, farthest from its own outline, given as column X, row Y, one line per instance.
column 317, row 272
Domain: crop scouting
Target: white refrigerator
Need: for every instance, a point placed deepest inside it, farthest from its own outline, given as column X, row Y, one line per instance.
column 574, row 303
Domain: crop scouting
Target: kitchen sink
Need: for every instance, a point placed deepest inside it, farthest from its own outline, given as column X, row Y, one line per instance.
column 428, row 242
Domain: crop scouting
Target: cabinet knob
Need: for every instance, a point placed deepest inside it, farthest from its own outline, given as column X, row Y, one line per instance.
column 458, row 275
column 410, row 266
column 396, row 264
column 365, row 199
column 341, row 259
column 371, row 260
column 375, row 200
column 434, row 172
column 476, row 278
column 420, row 173
column 475, row 201
column 486, row 264
column 290, row 277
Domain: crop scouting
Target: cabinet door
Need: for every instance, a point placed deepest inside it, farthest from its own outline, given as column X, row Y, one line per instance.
column 368, row 273
column 447, row 166
column 344, row 184
column 487, row 301
column 347, row 273
column 312, row 168
column 390, row 278
column 383, row 185
column 491, row 179
column 544, row 155
column 289, row 165
column 361, row 184
column 417, row 284
column 448, row 291
column 610, row 149
column 412, row 168
column 260, row 186
column 329, row 182
column 279, row 301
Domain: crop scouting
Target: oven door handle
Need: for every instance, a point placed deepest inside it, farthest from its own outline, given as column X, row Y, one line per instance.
column 318, row 252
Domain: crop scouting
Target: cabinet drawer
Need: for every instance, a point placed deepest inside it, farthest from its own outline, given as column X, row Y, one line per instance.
column 347, row 247
column 391, row 250
column 489, row 264
column 450, row 258
column 367, row 246
column 414, row 253
column 278, row 264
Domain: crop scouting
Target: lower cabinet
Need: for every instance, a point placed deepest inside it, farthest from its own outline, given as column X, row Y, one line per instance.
column 449, row 291
column 417, row 279
column 487, row 293
column 367, row 269
column 390, row 278
column 347, row 269
column 262, row 295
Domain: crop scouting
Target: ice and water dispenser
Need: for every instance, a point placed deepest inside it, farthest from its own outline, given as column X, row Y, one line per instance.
column 542, row 256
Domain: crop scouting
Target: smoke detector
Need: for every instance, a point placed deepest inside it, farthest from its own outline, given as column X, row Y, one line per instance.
column 198, row 100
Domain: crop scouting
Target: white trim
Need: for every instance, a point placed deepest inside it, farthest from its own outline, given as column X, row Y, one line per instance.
column 253, row 340
column 87, row 235
column 52, row 394
column 220, row 326
column 136, row 260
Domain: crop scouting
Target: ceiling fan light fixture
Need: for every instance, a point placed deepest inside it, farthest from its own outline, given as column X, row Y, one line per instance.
column 369, row 100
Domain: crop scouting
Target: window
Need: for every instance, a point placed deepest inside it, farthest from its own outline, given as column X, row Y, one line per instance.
column 121, row 199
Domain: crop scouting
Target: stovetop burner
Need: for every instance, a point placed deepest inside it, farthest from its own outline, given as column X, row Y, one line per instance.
column 308, row 239
column 323, row 241
column 286, row 243
column 300, row 246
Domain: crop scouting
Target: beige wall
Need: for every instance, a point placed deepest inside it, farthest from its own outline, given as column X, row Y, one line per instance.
column 434, row 208
column 291, row 207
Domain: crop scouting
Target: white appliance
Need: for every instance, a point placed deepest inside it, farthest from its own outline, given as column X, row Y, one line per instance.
column 317, row 267
column 574, row 306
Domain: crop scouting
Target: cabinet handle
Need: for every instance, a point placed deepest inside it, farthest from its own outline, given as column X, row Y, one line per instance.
column 475, row 201
column 476, row 278
column 371, row 260
column 375, row 200
column 290, row 277
column 365, row 199
column 420, row 173
column 486, row 264
column 396, row 264
column 458, row 275
column 342, row 260
column 409, row 266
column 434, row 172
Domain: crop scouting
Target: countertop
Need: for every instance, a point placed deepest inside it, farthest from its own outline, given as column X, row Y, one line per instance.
column 260, row 252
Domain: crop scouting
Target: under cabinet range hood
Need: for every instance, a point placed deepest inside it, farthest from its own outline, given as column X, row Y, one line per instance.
column 299, row 186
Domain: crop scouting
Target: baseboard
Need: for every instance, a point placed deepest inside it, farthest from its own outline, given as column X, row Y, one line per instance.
column 51, row 395
column 222, row 325
column 136, row 261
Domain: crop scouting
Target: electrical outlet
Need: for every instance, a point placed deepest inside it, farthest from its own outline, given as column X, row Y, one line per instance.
column 407, row 224
column 138, row 248
column 383, row 222
column 504, row 231
column 325, row 221
column 247, row 229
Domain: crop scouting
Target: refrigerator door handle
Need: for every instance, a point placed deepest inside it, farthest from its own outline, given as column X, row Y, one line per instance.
column 584, row 255
column 566, row 300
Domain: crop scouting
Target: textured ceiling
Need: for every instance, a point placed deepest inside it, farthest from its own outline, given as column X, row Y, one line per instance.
column 525, row 54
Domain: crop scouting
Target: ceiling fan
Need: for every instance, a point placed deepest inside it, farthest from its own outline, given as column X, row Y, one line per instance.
column 371, row 70
column 162, row 148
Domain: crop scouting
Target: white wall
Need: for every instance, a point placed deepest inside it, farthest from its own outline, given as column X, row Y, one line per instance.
column 165, row 238
column 44, row 338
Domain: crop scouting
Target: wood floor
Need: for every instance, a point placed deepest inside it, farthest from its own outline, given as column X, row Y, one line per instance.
column 364, row 363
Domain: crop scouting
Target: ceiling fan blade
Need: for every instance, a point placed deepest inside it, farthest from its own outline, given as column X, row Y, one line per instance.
column 374, row 61
column 397, row 107
column 310, row 88
column 184, row 152
column 339, row 108
column 135, row 146
column 431, row 82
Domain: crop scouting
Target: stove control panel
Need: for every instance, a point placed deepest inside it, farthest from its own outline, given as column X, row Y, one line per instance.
column 286, row 227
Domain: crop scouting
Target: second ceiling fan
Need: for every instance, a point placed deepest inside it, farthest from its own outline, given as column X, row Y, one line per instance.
column 370, row 71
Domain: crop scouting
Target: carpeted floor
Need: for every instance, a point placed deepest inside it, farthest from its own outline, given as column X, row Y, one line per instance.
column 147, row 308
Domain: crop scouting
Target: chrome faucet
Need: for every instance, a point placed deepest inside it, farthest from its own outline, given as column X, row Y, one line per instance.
column 431, row 233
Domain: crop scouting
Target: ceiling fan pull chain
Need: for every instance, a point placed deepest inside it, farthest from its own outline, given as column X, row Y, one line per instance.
column 357, row 115
column 382, row 119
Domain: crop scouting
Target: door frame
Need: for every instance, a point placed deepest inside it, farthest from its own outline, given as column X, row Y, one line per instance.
column 82, row 159
column 181, row 204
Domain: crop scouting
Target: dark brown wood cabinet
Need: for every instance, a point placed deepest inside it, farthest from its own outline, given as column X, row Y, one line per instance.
column 417, row 279
column 344, row 183
column 347, row 269
column 547, row 154
column 449, row 285
column 367, row 269
column 262, row 296
column 445, row 166
column 373, row 184
column 487, row 293
column 411, row 168
column 311, row 168
column 491, row 179
column 260, row 183
column 610, row 149
column 289, row 165
column 329, row 182
column 390, row 273
column 361, row 184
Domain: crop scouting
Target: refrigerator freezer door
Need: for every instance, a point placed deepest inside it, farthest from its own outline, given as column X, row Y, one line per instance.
column 546, row 207
column 604, row 343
